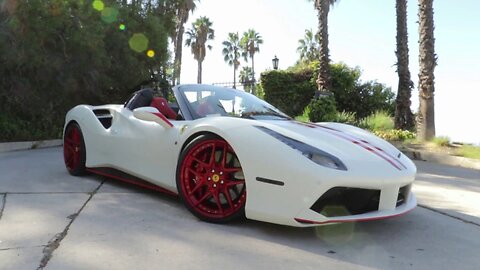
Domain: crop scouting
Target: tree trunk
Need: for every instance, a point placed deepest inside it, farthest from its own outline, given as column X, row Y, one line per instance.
column 253, row 74
column 403, row 113
column 234, row 76
column 428, row 61
column 177, row 64
column 323, row 80
column 199, row 75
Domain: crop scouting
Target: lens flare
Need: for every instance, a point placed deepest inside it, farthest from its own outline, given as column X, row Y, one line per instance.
column 122, row 27
column 98, row 5
column 109, row 15
column 138, row 42
column 150, row 53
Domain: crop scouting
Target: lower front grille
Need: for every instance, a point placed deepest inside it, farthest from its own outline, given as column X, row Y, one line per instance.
column 345, row 201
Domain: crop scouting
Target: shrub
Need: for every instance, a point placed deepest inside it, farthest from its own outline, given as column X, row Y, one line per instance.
column 441, row 141
column 322, row 109
column 288, row 91
column 346, row 118
column 395, row 134
column 291, row 90
column 379, row 121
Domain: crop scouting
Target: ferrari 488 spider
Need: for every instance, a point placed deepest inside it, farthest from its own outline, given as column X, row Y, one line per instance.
column 228, row 154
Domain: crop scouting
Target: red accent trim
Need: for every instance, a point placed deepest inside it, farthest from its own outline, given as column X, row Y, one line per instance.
column 306, row 221
column 362, row 143
column 139, row 182
column 162, row 105
column 161, row 116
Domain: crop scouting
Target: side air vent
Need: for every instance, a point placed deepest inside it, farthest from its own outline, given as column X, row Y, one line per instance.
column 104, row 116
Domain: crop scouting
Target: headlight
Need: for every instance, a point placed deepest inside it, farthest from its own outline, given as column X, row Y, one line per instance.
column 314, row 154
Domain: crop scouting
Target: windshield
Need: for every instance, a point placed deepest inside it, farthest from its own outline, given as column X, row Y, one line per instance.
column 205, row 101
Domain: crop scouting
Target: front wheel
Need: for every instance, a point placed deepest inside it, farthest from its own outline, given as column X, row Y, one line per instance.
column 210, row 180
column 74, row 153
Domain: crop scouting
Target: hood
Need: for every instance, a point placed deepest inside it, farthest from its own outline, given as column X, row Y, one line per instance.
column 357, row 148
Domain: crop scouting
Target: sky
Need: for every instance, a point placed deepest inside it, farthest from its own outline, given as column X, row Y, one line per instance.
column 361, row 33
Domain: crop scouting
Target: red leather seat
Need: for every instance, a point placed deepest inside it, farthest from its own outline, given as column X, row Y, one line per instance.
column 162, row 106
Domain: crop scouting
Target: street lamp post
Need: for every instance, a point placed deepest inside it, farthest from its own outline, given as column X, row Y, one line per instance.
column 275, row 63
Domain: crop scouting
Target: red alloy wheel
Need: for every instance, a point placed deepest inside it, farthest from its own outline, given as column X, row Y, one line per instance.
column 212, row 184
column 74, row 150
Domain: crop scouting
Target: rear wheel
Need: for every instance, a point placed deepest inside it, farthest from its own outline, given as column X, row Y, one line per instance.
column 210, row 180
column 74, row 153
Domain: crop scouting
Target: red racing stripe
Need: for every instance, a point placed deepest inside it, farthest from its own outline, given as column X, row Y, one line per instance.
column 362, row 143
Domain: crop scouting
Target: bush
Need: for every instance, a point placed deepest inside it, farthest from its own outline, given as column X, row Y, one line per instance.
column 379, row 121
column 346, row 118
column 322, row 109
column 441, row 141
column 290, row 92
column 395, row 134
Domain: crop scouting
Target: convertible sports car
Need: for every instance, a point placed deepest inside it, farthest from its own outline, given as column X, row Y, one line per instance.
column 228, row 154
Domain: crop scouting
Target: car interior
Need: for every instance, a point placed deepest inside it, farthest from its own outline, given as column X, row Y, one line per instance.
column 146, row 97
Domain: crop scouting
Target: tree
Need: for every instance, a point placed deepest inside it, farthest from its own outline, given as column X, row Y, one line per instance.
column 427, row 63
column 183, row 9
column 57, row 54
column 323, row 8
column 308, row 47
column 250, row 44
column 197, row 38
column 231, row 53
column 246, row 78
column 403, row 113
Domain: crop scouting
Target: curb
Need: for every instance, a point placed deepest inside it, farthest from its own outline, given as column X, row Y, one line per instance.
column 463, row 162
column 18, row 146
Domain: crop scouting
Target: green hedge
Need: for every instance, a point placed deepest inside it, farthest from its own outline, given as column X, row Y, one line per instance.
column 291, row 92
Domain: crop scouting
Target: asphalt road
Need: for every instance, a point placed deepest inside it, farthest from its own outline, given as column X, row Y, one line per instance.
column 51, row 220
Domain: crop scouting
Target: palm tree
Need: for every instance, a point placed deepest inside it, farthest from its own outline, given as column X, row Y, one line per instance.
column 427, row 63
column 308, row 46
column 231, row 53
column 183, row 9
column 403, row 114
column 246, row 78
column 197, row 38
column 323, row 80
column 250, row 44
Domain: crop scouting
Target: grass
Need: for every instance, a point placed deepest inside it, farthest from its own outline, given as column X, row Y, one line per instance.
column 469, row 151
column 441, row 141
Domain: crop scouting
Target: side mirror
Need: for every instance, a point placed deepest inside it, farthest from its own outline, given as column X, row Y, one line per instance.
column 151, row 114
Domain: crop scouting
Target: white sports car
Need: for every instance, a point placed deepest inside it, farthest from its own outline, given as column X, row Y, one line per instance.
column 228, row 154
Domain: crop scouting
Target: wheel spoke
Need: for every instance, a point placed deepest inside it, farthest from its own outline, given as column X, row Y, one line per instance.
column 226, row 193
column 69, row 141
column 224, row 156
column 216, row 196
column 207, row 195
column 234, row 183
column 201, row 163
column 70, row 147
column 232, row 170
column 212, row 156
column 197, row 174
column 198, row 186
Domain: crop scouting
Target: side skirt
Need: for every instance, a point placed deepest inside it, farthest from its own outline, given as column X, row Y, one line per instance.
column 127, row 178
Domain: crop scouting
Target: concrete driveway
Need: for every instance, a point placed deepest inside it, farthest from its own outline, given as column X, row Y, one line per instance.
column 51, row 220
